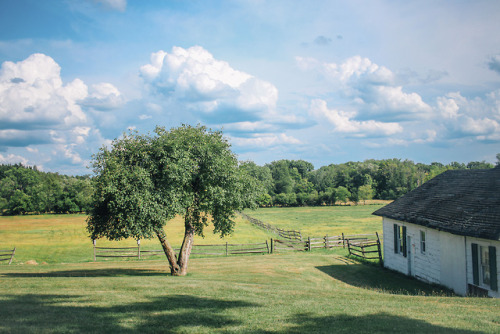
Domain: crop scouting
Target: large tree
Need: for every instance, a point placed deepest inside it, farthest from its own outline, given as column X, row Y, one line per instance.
column 143, row 181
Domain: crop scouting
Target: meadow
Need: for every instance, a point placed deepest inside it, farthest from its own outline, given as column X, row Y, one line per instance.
column 320, row 291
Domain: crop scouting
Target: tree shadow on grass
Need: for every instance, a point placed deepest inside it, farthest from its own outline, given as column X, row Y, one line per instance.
column 371, row 323
column 63, row 313
column 379, row 279
column 106, row 272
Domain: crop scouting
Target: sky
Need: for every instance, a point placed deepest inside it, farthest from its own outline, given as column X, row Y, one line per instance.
column 323, row 81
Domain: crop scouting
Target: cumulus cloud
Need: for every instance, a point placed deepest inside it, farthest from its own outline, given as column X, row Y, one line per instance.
column 33, row 95
column 194, row 77
column 344, row 122
column 371, row 87
column 37, row 107
column 104, row 97
column 477, row 117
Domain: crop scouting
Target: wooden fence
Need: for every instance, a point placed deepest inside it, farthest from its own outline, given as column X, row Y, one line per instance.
column 218, row 250
column 7, row 254
column 278, row 245
column 287, row 234
column 365, row 248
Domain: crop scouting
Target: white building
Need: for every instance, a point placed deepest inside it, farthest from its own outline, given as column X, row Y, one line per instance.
column 447, row 231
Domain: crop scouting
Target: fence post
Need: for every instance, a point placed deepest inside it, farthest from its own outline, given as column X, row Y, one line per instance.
column 267, row 245
column 12, row 256
column 226, row 248
column 326, row 241
column 272, row 245
column 309, row 243
column 343, row 240
column 139, row 249
column 94, row 242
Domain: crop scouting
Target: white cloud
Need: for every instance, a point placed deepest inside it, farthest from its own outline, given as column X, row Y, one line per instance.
column 344, row 121
column 33, row 95
column 195, row 77
column 13, row 159
column 37, row 108
column 477, row 117
column 358, row 69
column 371, row 87
column 104, row 96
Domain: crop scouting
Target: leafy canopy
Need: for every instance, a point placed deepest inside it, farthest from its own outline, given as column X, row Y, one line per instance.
column 145, row 180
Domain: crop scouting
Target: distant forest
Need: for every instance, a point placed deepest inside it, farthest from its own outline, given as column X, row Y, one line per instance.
column 284, row 183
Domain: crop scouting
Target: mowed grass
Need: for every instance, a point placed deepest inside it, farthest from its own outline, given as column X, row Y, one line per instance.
column 64, row 239
column 318, row 292
column 319, row 221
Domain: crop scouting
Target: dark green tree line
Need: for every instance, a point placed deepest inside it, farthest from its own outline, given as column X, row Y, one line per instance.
column 27, row 190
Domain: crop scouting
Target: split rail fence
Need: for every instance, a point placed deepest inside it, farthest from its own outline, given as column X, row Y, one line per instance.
column 217, row 250
column 7, row 254
column 369, row 249
column 287, row 234
column 359, row 245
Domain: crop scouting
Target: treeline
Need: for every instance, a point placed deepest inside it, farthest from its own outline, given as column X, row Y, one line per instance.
column 296, row 183
column 28, row 190
column 283, row 182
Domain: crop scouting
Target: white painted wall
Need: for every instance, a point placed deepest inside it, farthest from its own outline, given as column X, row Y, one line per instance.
column 425, row 266
column 453, row 264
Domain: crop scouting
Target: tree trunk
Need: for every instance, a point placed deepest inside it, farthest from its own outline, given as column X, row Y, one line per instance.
column 169, row 252
column 187, row 245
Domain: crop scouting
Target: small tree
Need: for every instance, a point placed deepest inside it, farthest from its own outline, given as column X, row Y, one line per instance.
column 342, row 194
column 144, row 181
column 365, row 193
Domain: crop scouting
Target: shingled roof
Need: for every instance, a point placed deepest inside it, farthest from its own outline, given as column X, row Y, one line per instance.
column 463, row 202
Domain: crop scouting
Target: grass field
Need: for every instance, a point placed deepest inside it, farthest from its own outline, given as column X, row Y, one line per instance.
column 317, row 292
column 319, row 221
column 63, row 238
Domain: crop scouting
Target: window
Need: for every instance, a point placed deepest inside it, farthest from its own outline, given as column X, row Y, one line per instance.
column 422, row 242
column 484, row 266
column 400, row 239
column 484, row 273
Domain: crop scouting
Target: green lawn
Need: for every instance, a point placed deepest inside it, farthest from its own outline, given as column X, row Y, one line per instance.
column 317, row 292
column 293, row 293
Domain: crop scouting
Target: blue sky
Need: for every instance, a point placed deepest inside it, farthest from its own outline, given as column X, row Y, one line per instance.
column 324, row 81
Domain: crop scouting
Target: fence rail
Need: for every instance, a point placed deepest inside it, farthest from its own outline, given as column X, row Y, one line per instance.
column 365, row 248
column 219, row 249
column 7, row 254
column 287, row 234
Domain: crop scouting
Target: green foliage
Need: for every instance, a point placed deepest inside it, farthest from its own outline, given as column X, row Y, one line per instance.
column 144, row 181
column 380, row 179
column 27, row 190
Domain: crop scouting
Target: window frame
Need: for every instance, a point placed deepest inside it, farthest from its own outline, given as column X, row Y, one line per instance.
column 423, row 242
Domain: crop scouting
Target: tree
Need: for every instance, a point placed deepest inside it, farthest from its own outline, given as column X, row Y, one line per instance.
column 365, row 192
column 342, row 194
column 146, row 180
